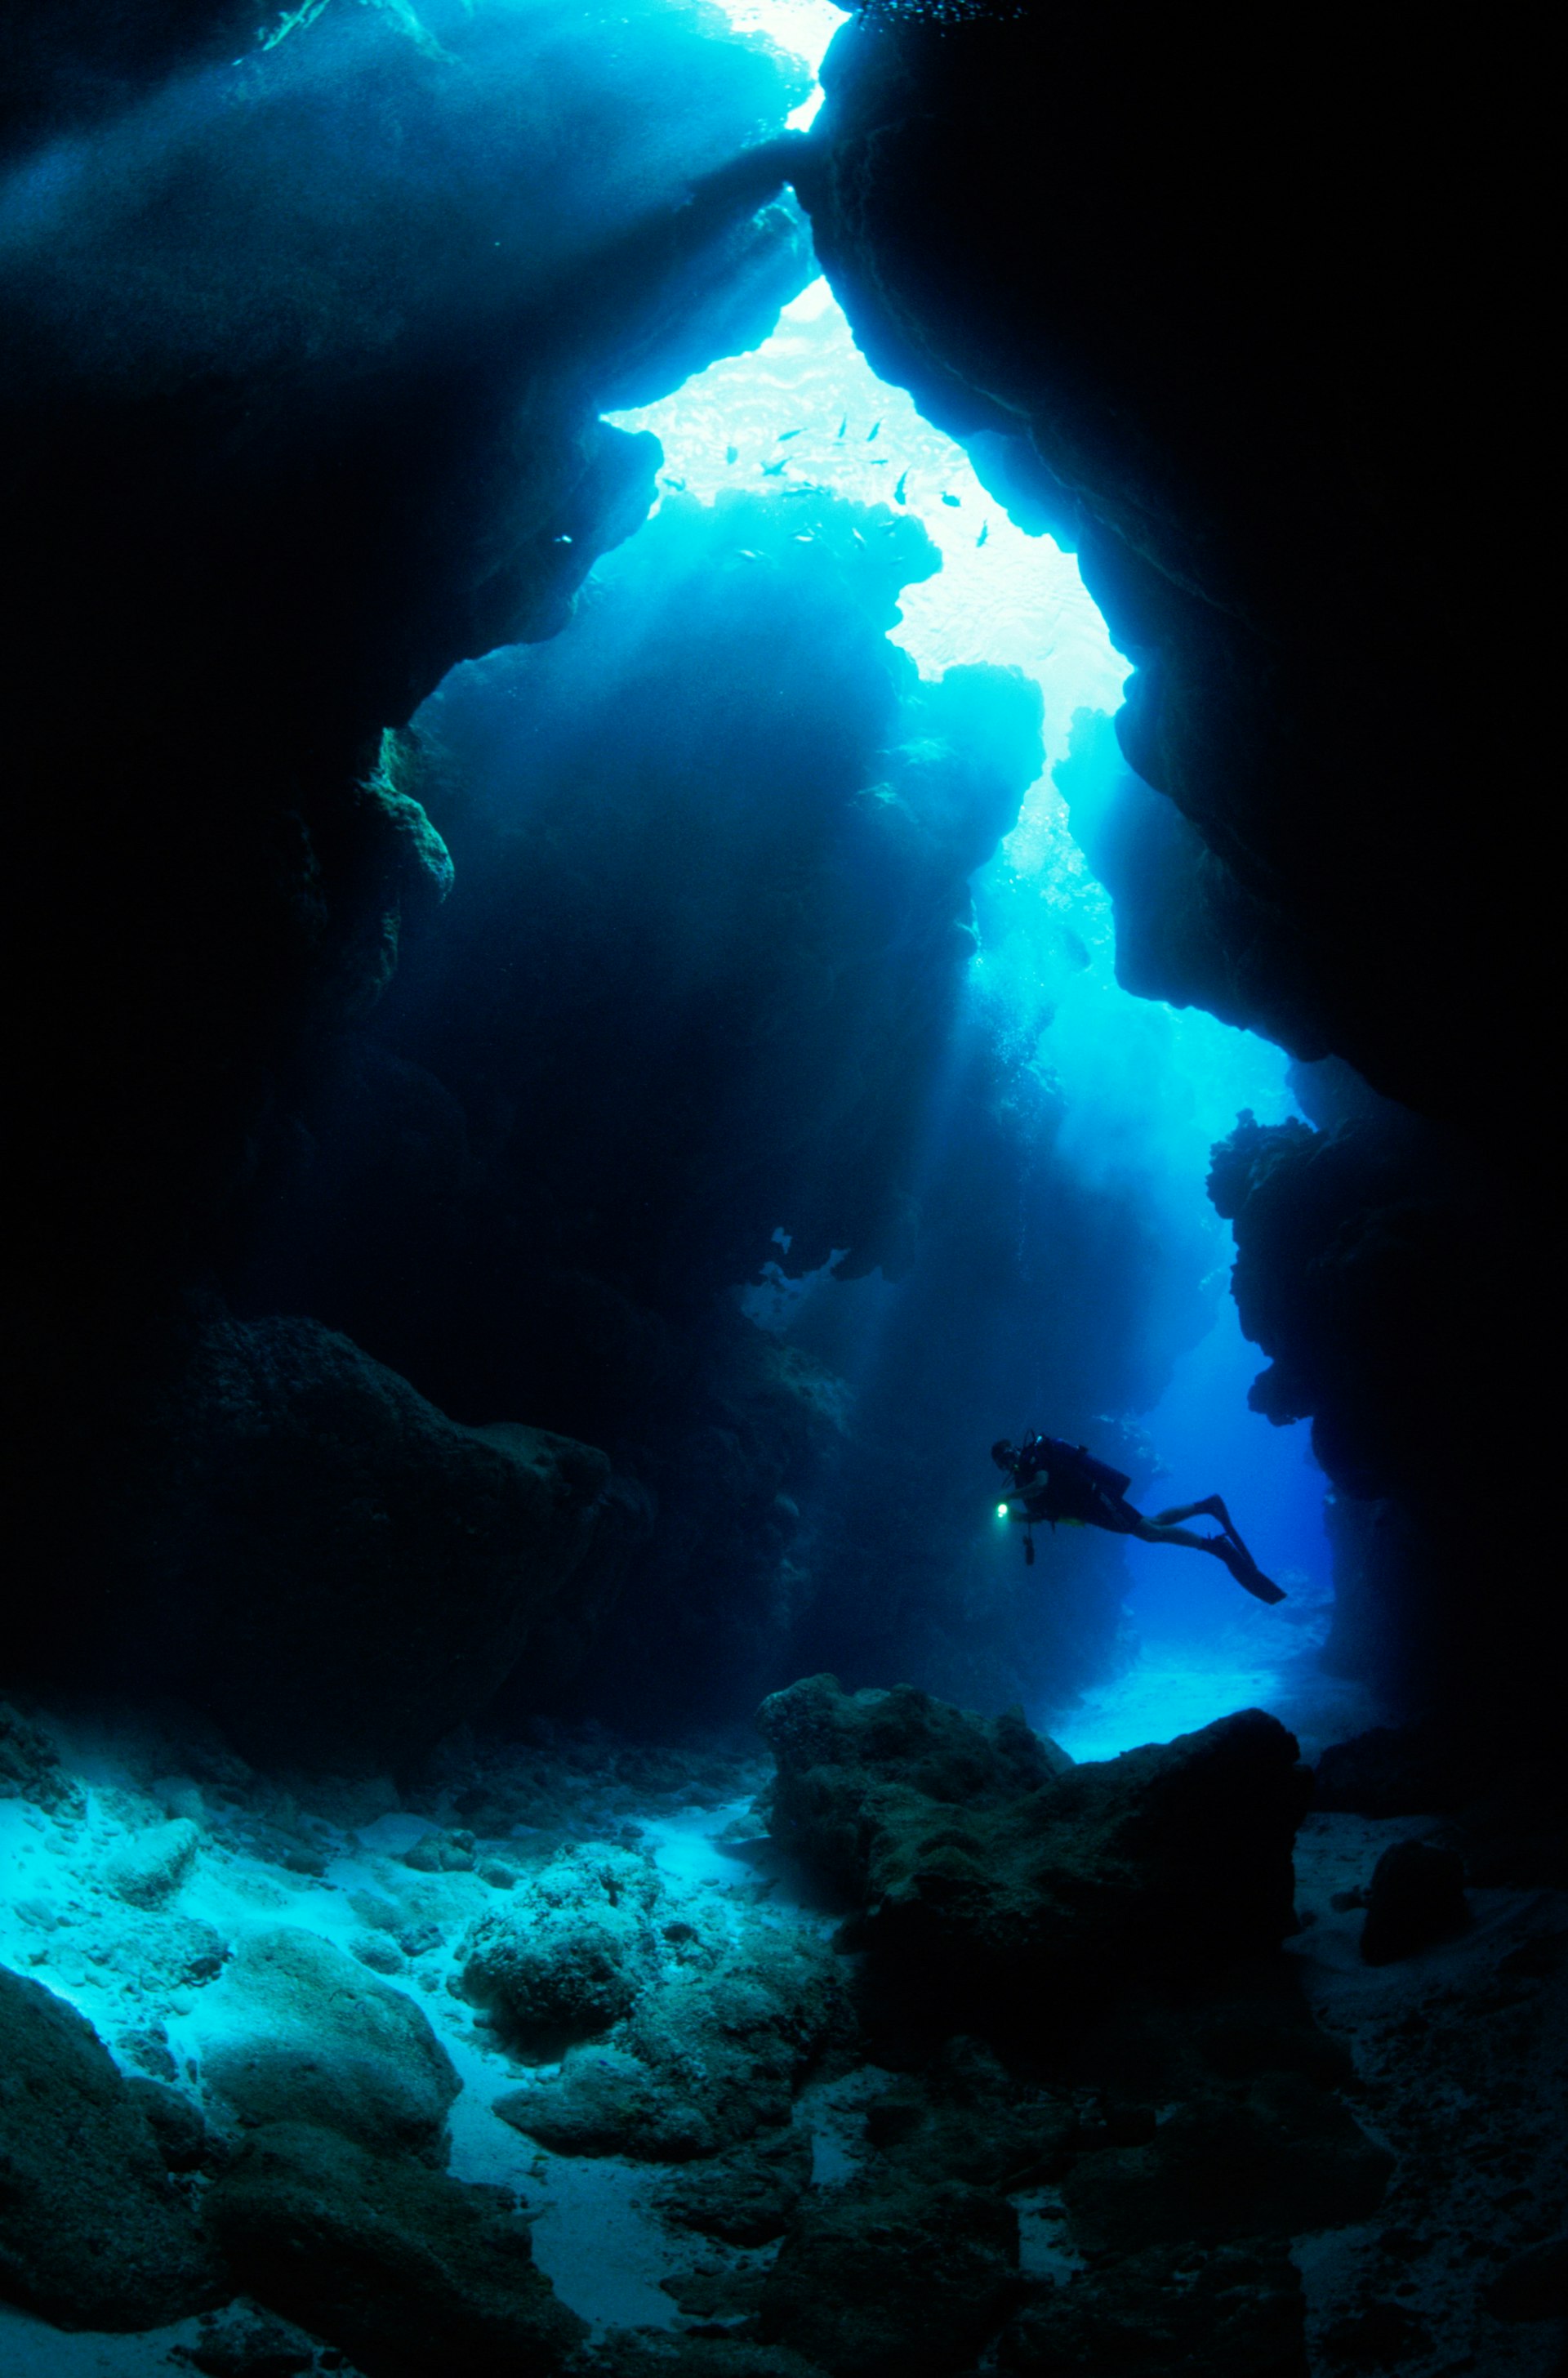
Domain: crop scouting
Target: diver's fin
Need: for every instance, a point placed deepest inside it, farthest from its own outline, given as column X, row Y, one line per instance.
column 1247, row 1573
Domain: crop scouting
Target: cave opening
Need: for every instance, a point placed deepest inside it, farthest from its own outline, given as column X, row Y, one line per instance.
column 1145, row 1095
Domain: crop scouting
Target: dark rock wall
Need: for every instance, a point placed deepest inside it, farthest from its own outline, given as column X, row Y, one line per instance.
column 702, row 980
column 1214, row 300
column 305, row 365
column 1389, row 1281
column 1221, row 303
column 305, row 354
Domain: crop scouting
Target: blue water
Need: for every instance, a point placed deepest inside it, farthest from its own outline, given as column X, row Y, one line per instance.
column 1149, row 1088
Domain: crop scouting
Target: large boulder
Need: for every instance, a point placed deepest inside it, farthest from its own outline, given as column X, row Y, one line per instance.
column 341, row 1574
column 93, row 2232
column 888, row 2278
column 299, row 2032
column 1001, row 1884
column 1417, row 1898
column 566, row 1960
column 1172, row 2311
column 1280, row 2157
column 409, row 2273
column 996, row 1881
column 710, row 2058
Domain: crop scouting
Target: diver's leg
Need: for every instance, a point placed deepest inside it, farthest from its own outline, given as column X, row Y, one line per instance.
column 1238, row 1560
column 1211, row 1507
column 1216, row 1511
column 1162, row 1530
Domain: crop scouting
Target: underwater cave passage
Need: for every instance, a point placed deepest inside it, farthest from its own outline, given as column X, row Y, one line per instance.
column 1128, row 1097
column 606, row 1065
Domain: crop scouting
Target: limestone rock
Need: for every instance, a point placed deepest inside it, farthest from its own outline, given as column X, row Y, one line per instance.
column 646, row 2353
column 30, row 1769
column 747, row 2197
column 1282, row 2158
column 966, row 2118
column 411, row 2273
column 299, row 2032
column 1411, row 1770
column 161, row 1951
column 606, row 2102
column 566, row 1960
column 93, row 2233
column 149, row 1868
column 999, row 1883
column 1417, row 1898
column 1172, row 2311
column 708, row 2058
column 893, row 2280
column 175, row 2121
column 1534, row 2285
column 244, row 2341
column 353, row 1573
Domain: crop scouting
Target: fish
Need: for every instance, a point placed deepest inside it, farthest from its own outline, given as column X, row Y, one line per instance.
column 843, row 425
column 872, row 431
column 678, row 484
column 985, row 531
column 785, row 435
column 898, row 494
column 772, row 470
column 731, row 453
column 951, row 499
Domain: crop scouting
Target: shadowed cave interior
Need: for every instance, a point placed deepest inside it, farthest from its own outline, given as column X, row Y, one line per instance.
column 741, row 753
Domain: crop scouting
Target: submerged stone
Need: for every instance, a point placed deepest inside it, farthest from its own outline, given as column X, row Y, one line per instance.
column 706, row 2060
column 150, row 1869
column 93, row 2232
column 1172, row 2311
column 565, row 1961
column 411, row 2273
column 747, row 2197
column 30, row 1767
column 646, row 2354
column 356, row 1573
column 1000, row 1884
column 299, row 2032
column 1416, row 1899
column 1283, row 2156
column 244, row 2341
column 893, row 2279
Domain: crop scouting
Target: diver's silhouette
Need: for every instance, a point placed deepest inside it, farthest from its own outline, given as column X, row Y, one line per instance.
column 1054, row 1481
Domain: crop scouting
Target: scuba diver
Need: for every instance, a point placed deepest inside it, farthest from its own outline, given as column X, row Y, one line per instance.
column 1054, row 1481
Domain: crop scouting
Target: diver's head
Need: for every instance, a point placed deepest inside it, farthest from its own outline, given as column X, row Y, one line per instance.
column 1005, row 1456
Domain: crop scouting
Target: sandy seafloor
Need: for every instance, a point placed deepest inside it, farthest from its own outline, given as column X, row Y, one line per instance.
column 1460, row 2051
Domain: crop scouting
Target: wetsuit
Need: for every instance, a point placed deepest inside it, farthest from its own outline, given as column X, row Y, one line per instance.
column 1056, row 1480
